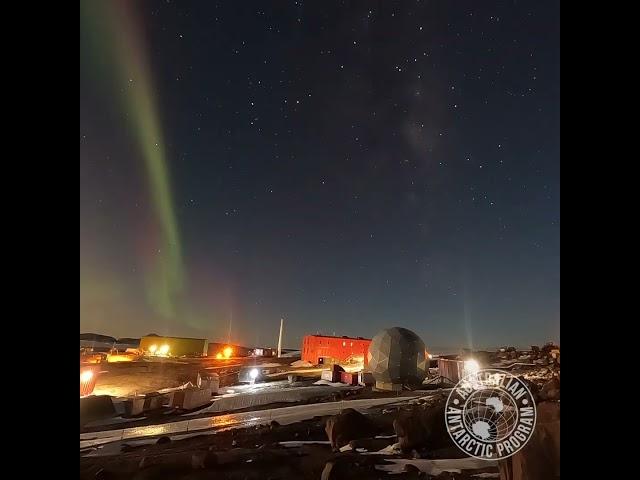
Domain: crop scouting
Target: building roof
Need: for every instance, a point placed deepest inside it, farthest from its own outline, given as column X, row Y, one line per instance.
column 175, row 338
column 343, row 336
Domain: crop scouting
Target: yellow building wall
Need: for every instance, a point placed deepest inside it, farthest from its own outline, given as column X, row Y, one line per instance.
column 177, row 346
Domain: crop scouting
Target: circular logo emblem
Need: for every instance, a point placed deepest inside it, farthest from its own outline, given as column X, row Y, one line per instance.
column 490, row 414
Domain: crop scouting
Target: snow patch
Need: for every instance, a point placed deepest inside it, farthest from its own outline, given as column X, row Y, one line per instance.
column 299, row 443
column 436, row 467
column 300, row 364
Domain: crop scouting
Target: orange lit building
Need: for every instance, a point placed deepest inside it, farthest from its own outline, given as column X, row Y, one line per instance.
column 214, row 348
column 321, row 349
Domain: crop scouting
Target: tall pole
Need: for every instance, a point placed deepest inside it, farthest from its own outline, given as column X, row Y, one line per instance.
column 280, row 338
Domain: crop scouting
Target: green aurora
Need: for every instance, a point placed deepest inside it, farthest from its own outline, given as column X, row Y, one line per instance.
column 115, row 49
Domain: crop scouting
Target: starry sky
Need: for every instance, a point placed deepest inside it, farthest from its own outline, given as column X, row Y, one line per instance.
column 346, row 165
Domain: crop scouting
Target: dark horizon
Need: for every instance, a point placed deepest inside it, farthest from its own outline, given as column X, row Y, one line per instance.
column 434, row 349
column 349, row 167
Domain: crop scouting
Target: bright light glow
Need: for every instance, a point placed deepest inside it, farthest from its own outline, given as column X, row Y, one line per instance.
column 430, row 356
column 164, row 349
column 254, row 373
column 471, row 366
column 120, row 358
column 219, row 356
column 153, row 348
column 227, row 352
column 86, row 376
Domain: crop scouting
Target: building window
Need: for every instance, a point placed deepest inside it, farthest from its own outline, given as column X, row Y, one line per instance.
column 344, row 344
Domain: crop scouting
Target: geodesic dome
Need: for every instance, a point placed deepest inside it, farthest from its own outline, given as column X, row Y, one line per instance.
column 397, row 355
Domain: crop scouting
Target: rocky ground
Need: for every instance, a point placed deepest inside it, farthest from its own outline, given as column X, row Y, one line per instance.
column 257, row 453
column 338, row 447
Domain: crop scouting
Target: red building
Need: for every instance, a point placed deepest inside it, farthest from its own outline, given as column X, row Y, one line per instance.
column 321, row 349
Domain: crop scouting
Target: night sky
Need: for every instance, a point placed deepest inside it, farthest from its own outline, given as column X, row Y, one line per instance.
column 348, row 166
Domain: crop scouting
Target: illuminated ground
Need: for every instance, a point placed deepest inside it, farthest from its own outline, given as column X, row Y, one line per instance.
column 153, row 374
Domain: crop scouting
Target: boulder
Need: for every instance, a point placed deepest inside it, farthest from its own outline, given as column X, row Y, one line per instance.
column 539, row 459
column 550, row 390
column 329, row 471
column 422, row 427
column 203, row 459
column 533, row 387
column 95, row 407
column 413, row 472
column 346, row 466
column 346, row 426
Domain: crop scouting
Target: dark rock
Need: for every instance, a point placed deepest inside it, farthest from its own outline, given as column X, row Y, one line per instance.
column 326, row 472
column 346, row 426
column 338, row 468
column 103, row 474
column 197, row 460
column 160, row 472
column 539, row 459
column 232, row 456
column 445, row 476
column 95, row 407
column 177, row 461
column 411, row 469
column 422, row 427
column 371, row 444
column 450, row 452
column 550, row 390
column 203, row 459
column 533, row 387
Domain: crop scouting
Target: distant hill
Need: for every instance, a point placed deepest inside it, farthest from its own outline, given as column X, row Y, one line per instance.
column 103, row 341
column 96, row 337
